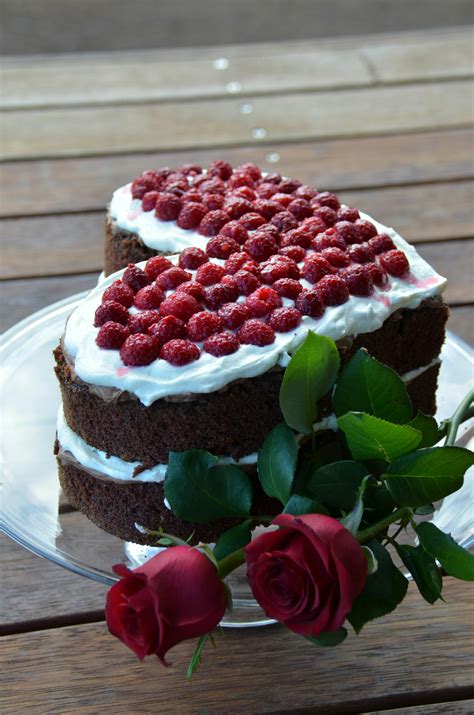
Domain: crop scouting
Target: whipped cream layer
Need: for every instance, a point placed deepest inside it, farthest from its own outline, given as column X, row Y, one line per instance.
column 162, row 236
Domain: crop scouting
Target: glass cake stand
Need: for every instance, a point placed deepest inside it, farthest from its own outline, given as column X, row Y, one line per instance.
column 33, row 511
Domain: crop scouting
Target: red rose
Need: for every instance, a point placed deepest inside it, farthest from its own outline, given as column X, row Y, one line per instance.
column 174, row 596
column 306, row 575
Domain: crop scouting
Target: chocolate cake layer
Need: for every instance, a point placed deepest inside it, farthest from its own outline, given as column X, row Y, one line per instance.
column 235, row 421
column 122, row 247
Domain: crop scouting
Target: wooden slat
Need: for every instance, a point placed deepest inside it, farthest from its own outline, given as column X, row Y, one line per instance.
column 461, row 322
column 119, row 78
column 82, row 669
column 453, row 259
column 52, row 245
column 89, row 131
column 83, row 184
column 460, row 707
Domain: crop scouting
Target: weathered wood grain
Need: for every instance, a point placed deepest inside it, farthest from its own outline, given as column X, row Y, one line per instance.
column 106, row 130
column 84, row 184
column 461, row 322
column 460, row 707
column 53, row 245
column 274, row 68
column 82, row 669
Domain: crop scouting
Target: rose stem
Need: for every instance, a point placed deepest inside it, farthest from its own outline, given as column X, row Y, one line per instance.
column 231, row 562
column 402, row 513
column 459, row 416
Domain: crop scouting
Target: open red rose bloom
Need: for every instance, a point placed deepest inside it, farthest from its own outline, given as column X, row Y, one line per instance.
column 306, row 575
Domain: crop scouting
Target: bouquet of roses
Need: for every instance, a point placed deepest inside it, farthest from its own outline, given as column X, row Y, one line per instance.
column 345, row 501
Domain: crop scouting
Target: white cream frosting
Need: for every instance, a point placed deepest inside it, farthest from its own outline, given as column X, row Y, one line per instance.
column 209, row 373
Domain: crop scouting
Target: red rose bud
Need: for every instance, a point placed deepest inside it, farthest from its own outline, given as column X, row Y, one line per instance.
column 174, row 596
column 307, row 574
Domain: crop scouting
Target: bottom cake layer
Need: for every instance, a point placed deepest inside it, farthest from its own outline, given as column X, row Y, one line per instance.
column 124, row 507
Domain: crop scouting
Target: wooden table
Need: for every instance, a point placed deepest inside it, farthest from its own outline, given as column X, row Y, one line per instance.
column 384, row 121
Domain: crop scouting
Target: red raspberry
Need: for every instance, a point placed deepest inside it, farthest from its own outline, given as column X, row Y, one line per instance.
column 336, row 257
column 261, row 246
column 236, row 231
column 191, row 288
column 213, row 222
column 191, row 215
column 366, row 229
column 209, row 273
column 217, row 295
column 251, row 221
column 358, row 280
column 120, row 293
column 149, row 297
column 156, row 265
column 348, row 231
column 233, row 315
column 134, row 277
column 315, row 267
column 245, row 192
column 262, row 301
column 167, row 329
column 254, row 332
column 180, row 305
column 287, row 287
column 329, row 239
column 347, row 213
column 112, row 335
column 395, row 263
column 230, row 281
column 381, row 243
column 192, row 258
column 287, row 186
column 149, row 200
column 221, row 344
column 300, row 208
column 305, row 192
column 296, row 253
column 314, row 225
column 284, row 221
column 246, row 282
column 190, row 169
column 273, row 178
column 326, row 198
column 284, row 319
column 309, row 303
column 252, row 267
column 235, row 262
column 148, row 181
column 361, row 253
column 172, row 278
column 283, row 199
column 236, row 207
column 110, row 310
column 378, row 275
column 139, row 350
column 178, row 188
column 266, row 190
column 212, row 185
column 279, row 267
column 326, row 213
column 167, row 207
column 202, row 325
column 222, row 247
column 251, row 169
column 266, row 208
column 220, row 168
column 240, row 178
column 141, row 322
column 333, row 290
column 296, row 237
column 180, row 352
column 212, row 201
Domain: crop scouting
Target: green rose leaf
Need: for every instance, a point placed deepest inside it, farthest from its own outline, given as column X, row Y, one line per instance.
column 329, row 639
column 369, row 437
column 353, row 519
column 366, row 385
column 336, row 484
column 383, row 591
column 424, row 570
column 277, row 463
column 455, row 560
column 428, row 427
column 233, row 539
column 309, row 375
column 199, row 491
column 427, row 475
column 302, row 505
